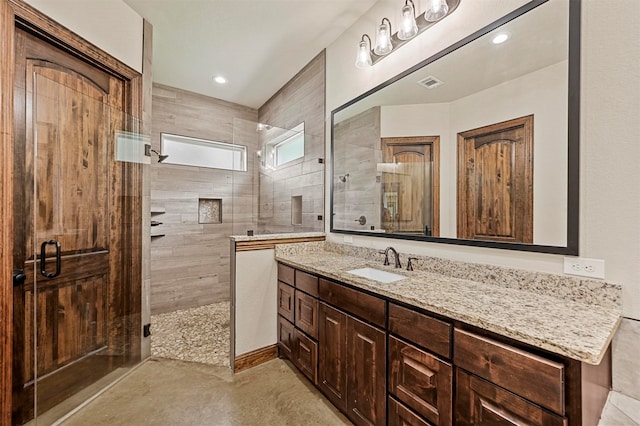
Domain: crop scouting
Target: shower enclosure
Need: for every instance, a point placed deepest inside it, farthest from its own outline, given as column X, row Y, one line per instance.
column 77, row 259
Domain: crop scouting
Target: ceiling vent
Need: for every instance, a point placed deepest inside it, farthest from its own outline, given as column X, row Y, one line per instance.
column 430, row 82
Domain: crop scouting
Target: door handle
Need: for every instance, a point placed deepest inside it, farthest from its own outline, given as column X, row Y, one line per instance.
column 43, row 253
column 19, row 277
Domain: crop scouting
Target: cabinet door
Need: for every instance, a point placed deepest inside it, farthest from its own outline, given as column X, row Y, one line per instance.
column 306, row 313
column 285, row 301
column 306, row 355
column 332, row 371
column 479, row 402
column 399, row 415
column 421, row 381
column 285, row 338
column 366, row 373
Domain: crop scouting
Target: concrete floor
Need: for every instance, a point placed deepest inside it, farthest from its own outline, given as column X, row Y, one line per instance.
column 170, row 392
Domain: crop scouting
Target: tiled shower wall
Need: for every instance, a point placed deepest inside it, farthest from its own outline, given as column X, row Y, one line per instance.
column 302, row 99
column 190, row 263
column 355, row 158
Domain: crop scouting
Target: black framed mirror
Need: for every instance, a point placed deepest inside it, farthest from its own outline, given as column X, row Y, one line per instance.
column 477, row 145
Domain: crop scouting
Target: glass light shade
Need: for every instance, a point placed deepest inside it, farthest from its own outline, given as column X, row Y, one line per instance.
column 363, row 56
column 436, row 10
column 408, row 26
column 383, row 40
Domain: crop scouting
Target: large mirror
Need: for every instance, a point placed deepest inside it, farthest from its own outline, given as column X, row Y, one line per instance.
column 477, row 145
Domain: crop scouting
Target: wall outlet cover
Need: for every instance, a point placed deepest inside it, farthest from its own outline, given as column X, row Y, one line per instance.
column 592, row 268
column 348, row 239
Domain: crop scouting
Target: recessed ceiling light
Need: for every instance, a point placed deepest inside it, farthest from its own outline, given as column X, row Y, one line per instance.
column 220, row 79
column 500, row 38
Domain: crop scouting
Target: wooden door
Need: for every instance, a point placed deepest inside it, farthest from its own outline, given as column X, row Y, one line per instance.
column 495, row 182
column 366, row 374
column 71, row 314
column 411, row 185
column 479, row 402
column 332, row 371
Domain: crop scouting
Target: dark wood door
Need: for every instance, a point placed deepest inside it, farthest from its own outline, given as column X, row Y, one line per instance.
column 495, row 182
column 411, row 185
column 69, row 320
column 306, row 313
column 332, row 371
column 366, row 373
column 479, row 402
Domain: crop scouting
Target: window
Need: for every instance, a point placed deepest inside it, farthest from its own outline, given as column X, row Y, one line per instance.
column 289, row 146
column 196, row 152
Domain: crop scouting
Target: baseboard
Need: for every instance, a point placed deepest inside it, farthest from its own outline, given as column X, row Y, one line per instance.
column 253, row 358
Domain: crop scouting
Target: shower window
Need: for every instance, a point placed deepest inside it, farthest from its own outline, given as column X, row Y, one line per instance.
column 289, row 147
column 196, row 152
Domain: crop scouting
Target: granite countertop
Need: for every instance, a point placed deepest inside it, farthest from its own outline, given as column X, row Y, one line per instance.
column 284, row 236
column 578, row 329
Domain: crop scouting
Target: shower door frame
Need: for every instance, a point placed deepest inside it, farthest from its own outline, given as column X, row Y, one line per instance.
column 14, row 13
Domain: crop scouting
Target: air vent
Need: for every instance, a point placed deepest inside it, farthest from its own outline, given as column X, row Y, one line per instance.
column 430, row 82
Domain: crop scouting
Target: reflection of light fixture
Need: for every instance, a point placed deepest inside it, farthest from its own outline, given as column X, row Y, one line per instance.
column 261, row 126
column 386, row 41
column 383, row 38
column 436, row 10
column 363, row 57
column 408, row 26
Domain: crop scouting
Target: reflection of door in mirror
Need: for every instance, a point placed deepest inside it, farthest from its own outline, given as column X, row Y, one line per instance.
column 410, row 185
column 495, row 182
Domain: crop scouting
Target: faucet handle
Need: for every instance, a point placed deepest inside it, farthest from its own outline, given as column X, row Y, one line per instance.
column 386, row 257
column 409, row 264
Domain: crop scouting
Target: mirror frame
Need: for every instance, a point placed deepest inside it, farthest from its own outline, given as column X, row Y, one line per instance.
column 573, row 117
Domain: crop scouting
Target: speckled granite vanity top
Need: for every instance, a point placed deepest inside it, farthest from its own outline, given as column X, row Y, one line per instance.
column 565, row 315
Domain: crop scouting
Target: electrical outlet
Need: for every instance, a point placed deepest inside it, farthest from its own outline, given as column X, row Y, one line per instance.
column 592, row 268
column 348, row 239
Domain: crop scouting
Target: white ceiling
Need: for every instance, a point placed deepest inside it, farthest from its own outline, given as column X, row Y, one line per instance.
column 258, row 45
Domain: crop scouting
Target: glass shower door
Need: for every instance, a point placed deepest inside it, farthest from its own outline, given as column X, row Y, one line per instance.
column 78, row 313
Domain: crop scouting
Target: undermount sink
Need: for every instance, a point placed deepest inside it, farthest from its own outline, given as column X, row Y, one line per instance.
column 377, row 275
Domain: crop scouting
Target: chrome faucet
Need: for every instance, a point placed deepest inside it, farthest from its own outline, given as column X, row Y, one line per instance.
column 395, row 254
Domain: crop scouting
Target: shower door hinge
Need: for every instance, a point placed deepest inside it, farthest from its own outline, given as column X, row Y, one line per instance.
column 146, row 330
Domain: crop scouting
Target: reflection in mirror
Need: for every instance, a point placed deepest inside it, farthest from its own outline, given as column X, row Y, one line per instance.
column 443, row 151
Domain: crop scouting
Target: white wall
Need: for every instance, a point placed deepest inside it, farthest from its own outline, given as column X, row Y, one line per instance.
column 109, row 24
column 610, row 105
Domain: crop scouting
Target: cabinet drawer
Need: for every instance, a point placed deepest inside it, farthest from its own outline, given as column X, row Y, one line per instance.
column 285, row 301
column 482, row 403
column 365, row 306
column 286, row 274
column 307, row 283
column 285, row 338
column 307, row 314
column 306, row 356
column 399, row 415
column 421, row 381
column 535, row 378
column 423, row 330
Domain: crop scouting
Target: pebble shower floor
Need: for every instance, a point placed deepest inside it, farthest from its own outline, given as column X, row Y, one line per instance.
column 197, row 334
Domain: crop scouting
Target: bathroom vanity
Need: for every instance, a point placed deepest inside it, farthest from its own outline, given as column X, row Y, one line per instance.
column 432, row 348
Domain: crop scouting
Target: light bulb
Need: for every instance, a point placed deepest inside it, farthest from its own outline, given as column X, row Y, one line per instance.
column 436, row 10
column 408, row 25
column 363, row 56
column 383, row 39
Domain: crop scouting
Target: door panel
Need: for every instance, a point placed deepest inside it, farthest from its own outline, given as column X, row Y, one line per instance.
column 495, row 182
column 73, row 327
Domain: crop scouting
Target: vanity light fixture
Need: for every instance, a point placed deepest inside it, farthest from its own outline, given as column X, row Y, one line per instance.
column 410, row 26
column 363, row 56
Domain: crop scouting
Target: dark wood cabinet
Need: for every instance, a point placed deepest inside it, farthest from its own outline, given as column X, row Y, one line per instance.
column 306, row 313
column 399, row 415
column 479, row 402
column 332, row 371
column 305, row 355
column 285, row 301
column 421, row 381
column 366, row 373
column 285, row 338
